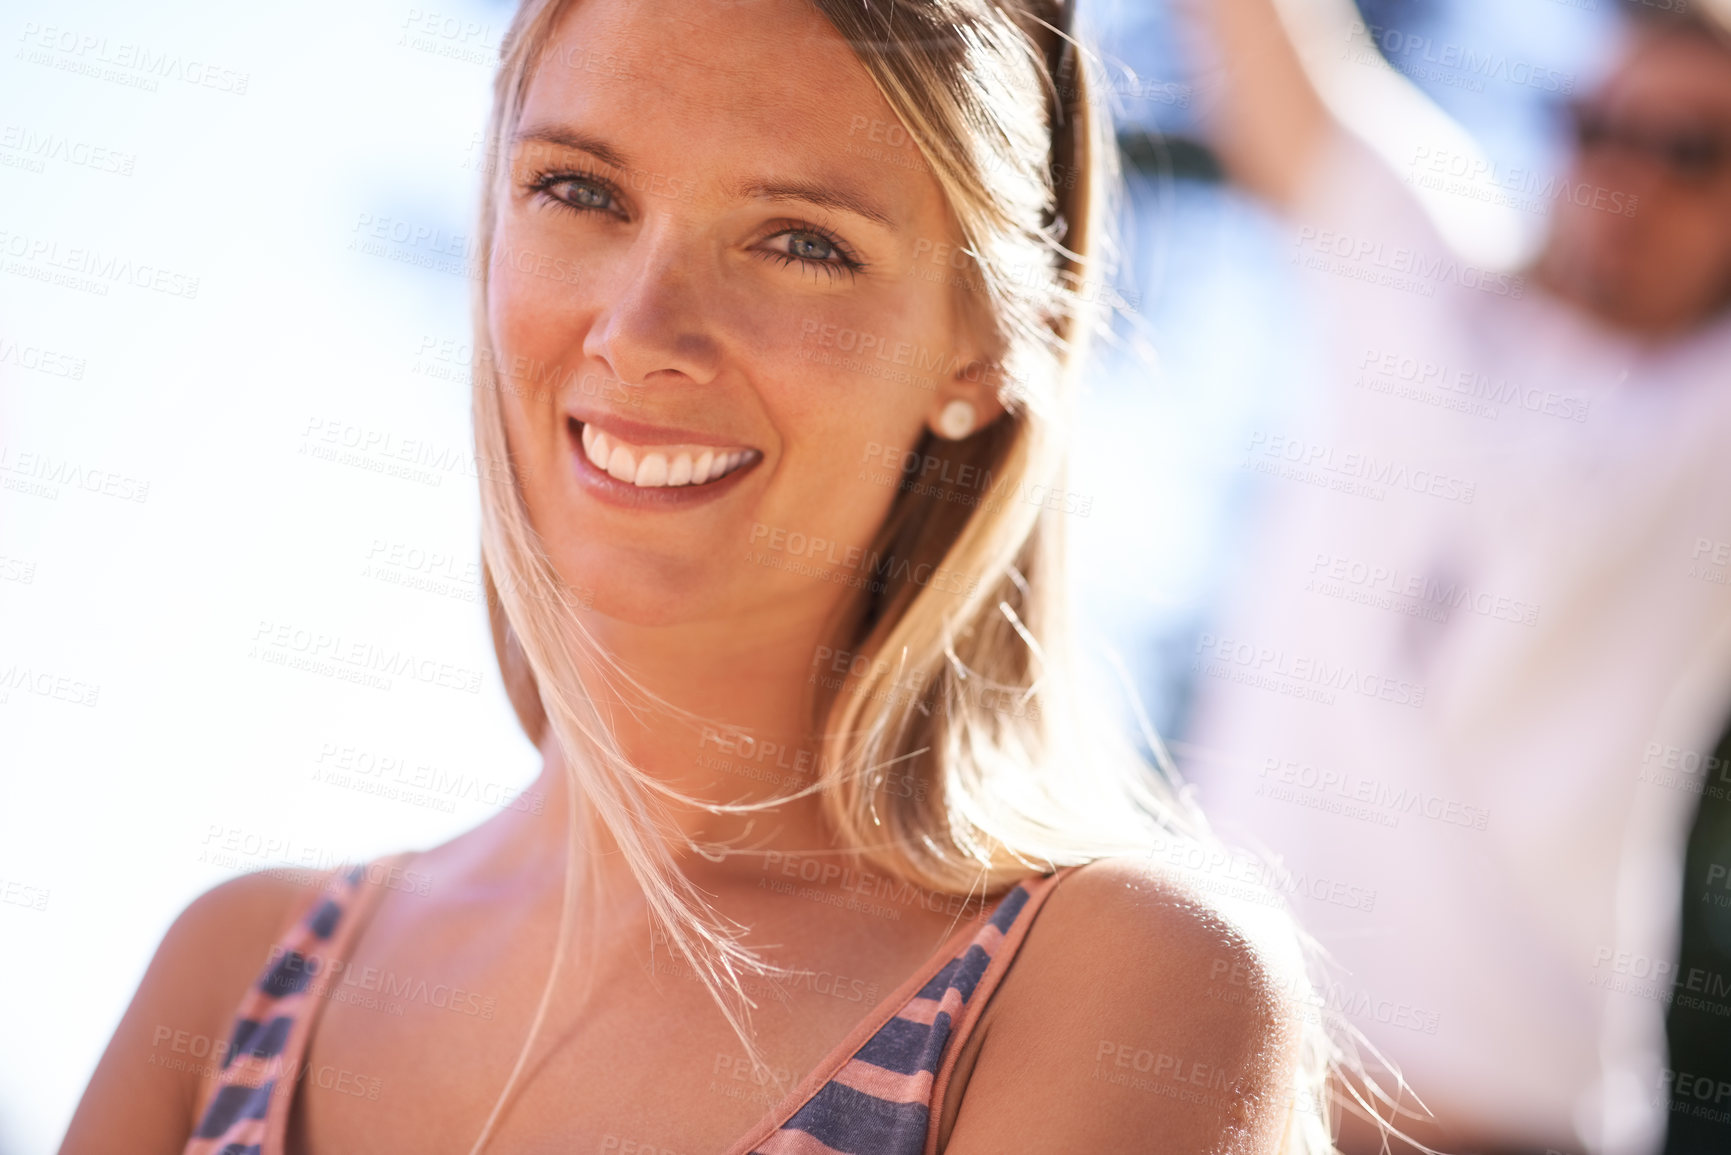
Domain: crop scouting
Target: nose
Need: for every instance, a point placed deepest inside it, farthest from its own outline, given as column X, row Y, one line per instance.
column 652, row 321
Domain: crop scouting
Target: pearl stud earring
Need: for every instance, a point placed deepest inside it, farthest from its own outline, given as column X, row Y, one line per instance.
column 957, row 420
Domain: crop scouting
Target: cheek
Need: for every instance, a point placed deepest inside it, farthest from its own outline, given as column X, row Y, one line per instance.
column 532, row 337
column 836, row 430
column 1683, row 243
column 850, row 388
column 533, row 311
column 529, row 439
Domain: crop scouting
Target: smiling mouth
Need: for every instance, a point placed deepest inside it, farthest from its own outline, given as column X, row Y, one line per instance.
column 662, row 466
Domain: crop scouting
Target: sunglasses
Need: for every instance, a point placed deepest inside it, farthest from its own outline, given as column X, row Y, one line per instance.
column 1692, row 153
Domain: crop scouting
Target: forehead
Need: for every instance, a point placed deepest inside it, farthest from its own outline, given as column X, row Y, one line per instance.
column 751, row 83
column 1676, row 74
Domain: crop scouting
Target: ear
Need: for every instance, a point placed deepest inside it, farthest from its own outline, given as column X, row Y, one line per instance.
column 967, row 400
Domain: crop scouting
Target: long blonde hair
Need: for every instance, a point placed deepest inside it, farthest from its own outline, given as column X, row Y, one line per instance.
column 967, row 690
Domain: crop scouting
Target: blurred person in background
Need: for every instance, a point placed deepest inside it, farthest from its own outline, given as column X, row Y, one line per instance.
column 1471, row 684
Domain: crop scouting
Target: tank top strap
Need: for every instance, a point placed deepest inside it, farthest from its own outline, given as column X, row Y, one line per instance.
column 1014, row 934
column 246, row 1108
column 877, row 1091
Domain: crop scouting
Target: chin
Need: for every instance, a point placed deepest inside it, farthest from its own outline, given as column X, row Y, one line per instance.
column 646, row 591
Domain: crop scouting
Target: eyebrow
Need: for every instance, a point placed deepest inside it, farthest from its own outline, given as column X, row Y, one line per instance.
column 824, row 196
column 571, row 138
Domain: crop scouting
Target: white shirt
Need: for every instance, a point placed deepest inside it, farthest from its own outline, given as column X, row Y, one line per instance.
column 1468, row 686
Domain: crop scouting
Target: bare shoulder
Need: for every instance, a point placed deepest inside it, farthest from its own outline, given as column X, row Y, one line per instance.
column 1129, row 920
column 1140, row 1014
column 144, row 1090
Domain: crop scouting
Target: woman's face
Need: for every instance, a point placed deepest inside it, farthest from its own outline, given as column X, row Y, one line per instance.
column 721, row 251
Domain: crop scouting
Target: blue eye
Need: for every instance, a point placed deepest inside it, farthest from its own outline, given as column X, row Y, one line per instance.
column 813, row 249
column 584, row 194
column 810, row 247
column 807, row 245
column 574, row 191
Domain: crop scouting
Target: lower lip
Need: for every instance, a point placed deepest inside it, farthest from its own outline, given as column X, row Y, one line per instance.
column 627, row 496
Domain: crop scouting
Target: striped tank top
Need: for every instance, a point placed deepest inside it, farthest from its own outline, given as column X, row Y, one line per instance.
column 878, row 1093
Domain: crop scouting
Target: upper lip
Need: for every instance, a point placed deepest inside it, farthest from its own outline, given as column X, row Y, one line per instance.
column 637, row 433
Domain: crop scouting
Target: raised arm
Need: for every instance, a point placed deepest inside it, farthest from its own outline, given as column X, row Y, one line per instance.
column 1284, row 76
column 1266, row 118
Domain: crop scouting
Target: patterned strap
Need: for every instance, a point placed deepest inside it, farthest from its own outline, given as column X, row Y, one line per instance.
column 1039, row 892
column 246, row 1109
column 874, row 1092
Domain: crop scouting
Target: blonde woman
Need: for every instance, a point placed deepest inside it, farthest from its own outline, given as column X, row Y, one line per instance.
column 782, row 301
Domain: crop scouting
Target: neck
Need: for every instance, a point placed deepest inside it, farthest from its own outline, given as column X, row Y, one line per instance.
column 736, row 728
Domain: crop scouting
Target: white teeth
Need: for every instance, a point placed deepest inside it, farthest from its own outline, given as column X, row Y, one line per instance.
column 658, row 468
column 653, row 472
column 596, row 446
